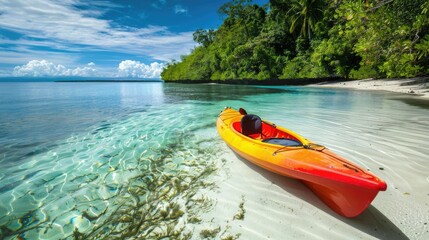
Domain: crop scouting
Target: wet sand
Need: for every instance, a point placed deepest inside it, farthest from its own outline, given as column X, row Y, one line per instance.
column 418, row 86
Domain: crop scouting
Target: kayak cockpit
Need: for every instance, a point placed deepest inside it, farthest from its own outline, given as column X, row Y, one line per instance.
column 268, row 133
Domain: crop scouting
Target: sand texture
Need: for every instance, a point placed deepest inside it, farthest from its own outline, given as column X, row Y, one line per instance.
column 414, row 86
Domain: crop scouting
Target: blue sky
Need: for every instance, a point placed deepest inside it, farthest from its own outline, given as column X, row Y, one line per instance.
column 75, row 38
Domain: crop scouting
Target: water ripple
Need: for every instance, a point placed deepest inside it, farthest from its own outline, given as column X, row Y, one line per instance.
column 123, row 177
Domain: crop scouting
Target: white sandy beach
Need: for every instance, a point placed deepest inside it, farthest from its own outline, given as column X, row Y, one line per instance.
column 418, row 86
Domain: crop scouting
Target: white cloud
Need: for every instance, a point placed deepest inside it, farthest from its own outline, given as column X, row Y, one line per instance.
column 179, row 9
column 126, row 69
column 136, row 69
column 43, row 68
column 88, row 71
column 60, row 25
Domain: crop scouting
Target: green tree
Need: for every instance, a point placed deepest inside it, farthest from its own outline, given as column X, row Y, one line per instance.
column 204, row 37
column 311, row 38
column 304, row 16
column 235, row 12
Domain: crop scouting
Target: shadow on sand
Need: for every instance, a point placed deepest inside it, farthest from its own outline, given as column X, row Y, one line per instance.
column 371, row 221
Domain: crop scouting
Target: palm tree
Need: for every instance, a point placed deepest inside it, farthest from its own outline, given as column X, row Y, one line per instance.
column 305, row 14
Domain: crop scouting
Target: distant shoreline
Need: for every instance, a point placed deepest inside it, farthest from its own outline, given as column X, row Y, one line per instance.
column 276, row 82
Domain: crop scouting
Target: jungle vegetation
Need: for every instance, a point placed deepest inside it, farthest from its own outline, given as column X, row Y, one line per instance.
column 287, row 39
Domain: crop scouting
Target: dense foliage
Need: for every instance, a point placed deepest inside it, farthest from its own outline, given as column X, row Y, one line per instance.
column 311, row 38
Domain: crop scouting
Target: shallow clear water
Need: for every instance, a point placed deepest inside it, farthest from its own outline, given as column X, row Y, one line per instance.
column 116, row 160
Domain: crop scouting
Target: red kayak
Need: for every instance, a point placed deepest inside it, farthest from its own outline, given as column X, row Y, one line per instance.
column 345, row 187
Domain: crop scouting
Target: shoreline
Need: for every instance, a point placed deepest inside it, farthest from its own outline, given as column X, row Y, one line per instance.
column 268, row 82
column 418, row 86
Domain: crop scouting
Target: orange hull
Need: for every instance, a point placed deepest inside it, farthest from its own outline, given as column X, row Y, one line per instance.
column 345, row 187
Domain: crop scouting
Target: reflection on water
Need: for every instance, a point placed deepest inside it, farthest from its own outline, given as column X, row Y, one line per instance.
column 213, row 92
column 134, row 95
column 132, row 160
column 414, row 101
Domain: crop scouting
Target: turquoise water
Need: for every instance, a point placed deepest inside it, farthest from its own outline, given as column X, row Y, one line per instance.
column 83, row 159
column 131, row 160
